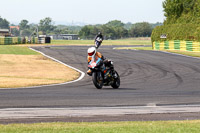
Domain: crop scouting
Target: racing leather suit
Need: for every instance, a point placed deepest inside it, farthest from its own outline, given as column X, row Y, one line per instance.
column 97, row 55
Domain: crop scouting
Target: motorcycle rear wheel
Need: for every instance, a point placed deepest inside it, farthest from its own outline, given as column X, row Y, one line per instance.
column 98, row 83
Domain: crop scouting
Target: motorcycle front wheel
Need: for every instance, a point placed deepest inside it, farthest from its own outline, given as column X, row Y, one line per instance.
column 116, row 82
column 97, row 80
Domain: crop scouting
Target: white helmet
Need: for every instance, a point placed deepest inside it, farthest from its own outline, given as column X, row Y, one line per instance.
column 92, row 51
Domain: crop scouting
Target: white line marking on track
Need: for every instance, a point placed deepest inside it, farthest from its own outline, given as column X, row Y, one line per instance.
column 115, row 48
column 80, row 78
column 166, row 53
column 15, row 113
column 179, row 54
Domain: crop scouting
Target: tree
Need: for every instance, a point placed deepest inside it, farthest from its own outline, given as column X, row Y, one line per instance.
column 85, row 31
column 181, row 11
column 24, row 25
column 15, row 32
column 108, row 32
column 46, row 25
column 128, row 25
column 89, row 32
column 26, row 32
column 143, row 29
column 116, row 29
column 115, row 23
column 4, row 24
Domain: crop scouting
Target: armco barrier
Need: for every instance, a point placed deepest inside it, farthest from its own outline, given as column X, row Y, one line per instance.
column 177, row 45
column 2, row 40
column 17, row 40
column 8, row 40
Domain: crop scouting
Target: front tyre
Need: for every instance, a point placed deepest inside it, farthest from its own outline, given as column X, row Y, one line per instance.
column 116, row 82
column 97, row 80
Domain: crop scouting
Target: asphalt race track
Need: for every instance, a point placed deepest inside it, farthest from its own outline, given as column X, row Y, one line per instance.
column 147, row 78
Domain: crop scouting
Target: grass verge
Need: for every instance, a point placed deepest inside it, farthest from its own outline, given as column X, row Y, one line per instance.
column 106, row 127
column 16, row 50
column 188, row 53
column 136, row 48
column 22, row 67
column 105, row 42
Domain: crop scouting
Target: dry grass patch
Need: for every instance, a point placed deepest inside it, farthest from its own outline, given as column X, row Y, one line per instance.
column 32, row 70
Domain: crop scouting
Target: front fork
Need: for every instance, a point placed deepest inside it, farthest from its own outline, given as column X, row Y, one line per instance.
column 100, row 75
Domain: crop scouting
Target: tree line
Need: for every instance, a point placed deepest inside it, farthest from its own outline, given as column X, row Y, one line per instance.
column 116, row 29
column 44, row 27
column 112, row 30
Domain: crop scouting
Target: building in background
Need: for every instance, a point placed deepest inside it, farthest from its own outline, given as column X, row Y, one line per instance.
column 4, row 32
column 14, row 30
column 14, row 27
column 65, row 37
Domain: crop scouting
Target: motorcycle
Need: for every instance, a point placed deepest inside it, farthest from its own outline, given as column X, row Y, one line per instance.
column 103, row 75
column 98, row 42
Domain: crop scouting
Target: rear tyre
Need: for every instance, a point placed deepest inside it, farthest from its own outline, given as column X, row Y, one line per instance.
column 116, row 82
column 97, row 80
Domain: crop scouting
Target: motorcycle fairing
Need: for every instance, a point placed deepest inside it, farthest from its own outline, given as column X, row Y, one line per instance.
column 93, row 64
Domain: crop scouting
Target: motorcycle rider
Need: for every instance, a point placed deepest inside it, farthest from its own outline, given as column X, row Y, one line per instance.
column 93, row 55
column 98, row 39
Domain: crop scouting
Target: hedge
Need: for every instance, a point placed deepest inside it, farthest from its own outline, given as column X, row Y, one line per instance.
column 187, row 32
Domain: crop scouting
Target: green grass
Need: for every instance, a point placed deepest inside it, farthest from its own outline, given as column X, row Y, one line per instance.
column 17, row 50
column 136, row 48
column 106, row 127
column 188, row 53
column 71, row 42
column 105, row 42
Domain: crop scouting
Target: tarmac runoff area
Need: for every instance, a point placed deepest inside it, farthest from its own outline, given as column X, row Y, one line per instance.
column 21, row 113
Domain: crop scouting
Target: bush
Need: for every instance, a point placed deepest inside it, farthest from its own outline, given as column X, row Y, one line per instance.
column 182, row 21
column 187, row 32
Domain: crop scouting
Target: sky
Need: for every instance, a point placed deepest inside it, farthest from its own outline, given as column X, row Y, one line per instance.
column 84, row 11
